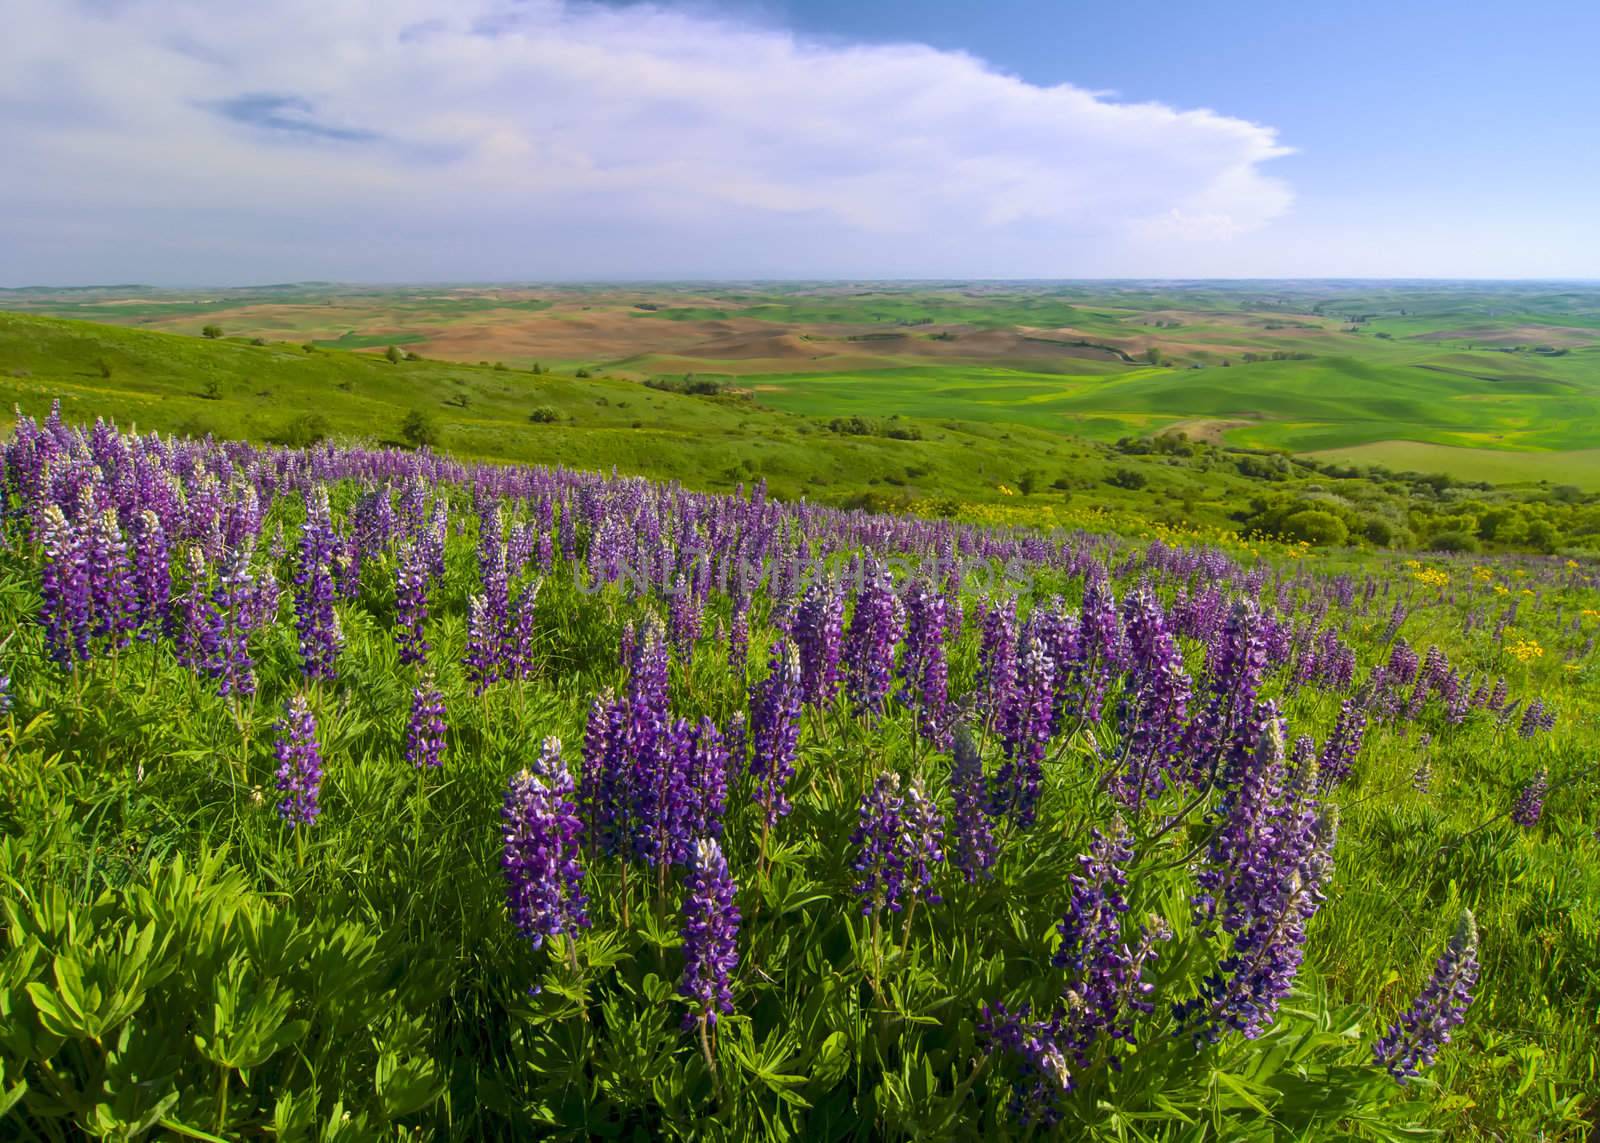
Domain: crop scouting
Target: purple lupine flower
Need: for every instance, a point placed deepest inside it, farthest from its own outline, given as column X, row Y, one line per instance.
column 5, row 692
column 234, row 617
column 923, row 667
column 874, row 633
column 655, row 785
column 152, row 574
column 922, row 839
column 667, row 803
column 516, row 640
column 1103, row 645
column 1266, row 868
column 880, row 852
column 706, row 768
column 299, row 764
column 1529, row 807
column 1221, row 732
column 194, row 618
column 315, row 618
column 736, row 742
column 1413, row 1041
column 775, row 730
column 543, row 836
column 710, row 935
column 972, row 845
column 111, row 584
column 1396, row 617
column 685, row 616
column 425, row 725
column 997, row 658
column 739, row 635
column 1105, row 991
column 1422, row 777
column 65, row 588
column 1043, row 1077
column 1535, row 717
column 1401, row 669
column 1025, row 733
column 1156, row 707
column 818, row 632
column 411, row 603
column 483, row 645
column 607, row 775
column 1344, row 742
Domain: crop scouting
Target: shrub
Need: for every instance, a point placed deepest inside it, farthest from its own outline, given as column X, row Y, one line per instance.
column 1315, row 526
column 1378, row 530
column 1454, row 542
column 1129, row 478
column 211, row 331
column 419, row 430
column 303, row 431
column 544, row 415
column 393, row 355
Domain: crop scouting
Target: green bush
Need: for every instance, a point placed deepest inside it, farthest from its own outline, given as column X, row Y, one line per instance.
column 419, row 430
column 303, row 431
column 1315, row 526
column 1454, row 542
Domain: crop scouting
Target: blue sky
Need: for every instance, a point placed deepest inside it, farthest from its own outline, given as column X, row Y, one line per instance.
column 181, row 142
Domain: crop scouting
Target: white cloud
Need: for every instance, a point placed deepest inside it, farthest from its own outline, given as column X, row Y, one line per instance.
column 490, row 138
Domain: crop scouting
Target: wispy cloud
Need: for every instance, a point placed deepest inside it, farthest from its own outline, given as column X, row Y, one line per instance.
column 541, row 138
column 285, row 113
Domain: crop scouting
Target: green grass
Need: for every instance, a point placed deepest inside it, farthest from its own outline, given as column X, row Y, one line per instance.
column 175, row 956
column 1425, row 362
column 1580, row 468
column 158, row 381
column 980, row 431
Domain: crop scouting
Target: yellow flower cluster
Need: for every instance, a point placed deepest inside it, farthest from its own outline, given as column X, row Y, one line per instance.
column 1482, row 574
column 1431, row 577
column 1522, row 648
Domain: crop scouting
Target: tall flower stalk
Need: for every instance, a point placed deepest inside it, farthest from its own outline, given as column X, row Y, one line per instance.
column 299, row 764
column 1413, row 1041
column 543, row 835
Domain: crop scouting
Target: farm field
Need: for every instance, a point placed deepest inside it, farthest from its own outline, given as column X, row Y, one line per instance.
column 1511, row 369
column 360, row 792
column 982, row 443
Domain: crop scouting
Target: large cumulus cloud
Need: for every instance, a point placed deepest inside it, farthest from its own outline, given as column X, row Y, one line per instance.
column 178, row 140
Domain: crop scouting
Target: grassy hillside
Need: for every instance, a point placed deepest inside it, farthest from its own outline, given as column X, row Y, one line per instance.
column 266, row 392
column 1462, row 378
column 976, row 442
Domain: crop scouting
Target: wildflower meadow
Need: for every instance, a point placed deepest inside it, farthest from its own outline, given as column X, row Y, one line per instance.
column 366, row 793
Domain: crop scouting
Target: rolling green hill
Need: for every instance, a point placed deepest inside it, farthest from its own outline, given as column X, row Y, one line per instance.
column 269, row 391
column 979, row 442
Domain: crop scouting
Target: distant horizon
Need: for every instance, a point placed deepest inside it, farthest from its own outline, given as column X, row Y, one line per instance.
column 738, row 281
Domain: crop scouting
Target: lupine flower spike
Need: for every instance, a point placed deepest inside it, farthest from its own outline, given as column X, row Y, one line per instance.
column 1413, row 1041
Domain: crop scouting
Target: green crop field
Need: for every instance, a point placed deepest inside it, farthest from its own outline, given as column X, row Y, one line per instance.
column 966, row 417
column 1508, row 370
